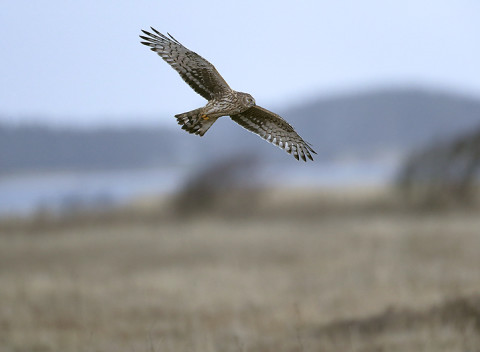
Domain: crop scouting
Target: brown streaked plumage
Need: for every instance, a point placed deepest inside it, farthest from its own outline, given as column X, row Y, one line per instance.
column 204, row 79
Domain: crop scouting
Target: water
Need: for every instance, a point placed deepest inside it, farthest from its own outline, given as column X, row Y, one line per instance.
column 24, row 195
column 57, row 192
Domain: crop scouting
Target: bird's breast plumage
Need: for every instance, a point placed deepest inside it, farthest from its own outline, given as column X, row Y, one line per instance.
column 229, row 103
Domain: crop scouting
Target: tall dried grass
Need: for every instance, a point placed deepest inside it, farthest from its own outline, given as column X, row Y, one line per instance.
column 304, row 272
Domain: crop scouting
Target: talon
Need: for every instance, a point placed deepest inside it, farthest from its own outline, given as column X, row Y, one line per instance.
column 205, row 117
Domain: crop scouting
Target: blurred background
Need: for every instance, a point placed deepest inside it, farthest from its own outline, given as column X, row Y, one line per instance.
column 86, row 114
column 102, row 194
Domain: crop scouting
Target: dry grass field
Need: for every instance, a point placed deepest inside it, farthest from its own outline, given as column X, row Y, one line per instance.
column 299, row 272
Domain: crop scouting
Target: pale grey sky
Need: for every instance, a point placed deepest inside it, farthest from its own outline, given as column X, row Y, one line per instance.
column 80, row 62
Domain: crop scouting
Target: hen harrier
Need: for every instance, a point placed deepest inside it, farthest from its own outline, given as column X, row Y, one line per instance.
column 202, row 76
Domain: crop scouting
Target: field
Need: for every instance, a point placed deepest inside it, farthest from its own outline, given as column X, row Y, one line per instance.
column 301, row 272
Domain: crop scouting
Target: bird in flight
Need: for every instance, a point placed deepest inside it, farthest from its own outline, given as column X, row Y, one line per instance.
column 203, row 77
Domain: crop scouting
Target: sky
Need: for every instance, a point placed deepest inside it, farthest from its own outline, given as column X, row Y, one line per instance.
column 66, row 62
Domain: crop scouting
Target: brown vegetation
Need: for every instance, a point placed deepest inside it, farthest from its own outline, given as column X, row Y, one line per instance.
column 444, row 173
column 306, row 271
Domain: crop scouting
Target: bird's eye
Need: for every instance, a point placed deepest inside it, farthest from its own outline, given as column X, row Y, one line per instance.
column 249, row 101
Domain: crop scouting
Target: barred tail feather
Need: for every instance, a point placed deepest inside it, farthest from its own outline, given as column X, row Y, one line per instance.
column 192, row 122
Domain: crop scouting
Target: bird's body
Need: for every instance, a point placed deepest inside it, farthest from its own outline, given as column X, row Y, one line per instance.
column 202, row 76
column 231, row 103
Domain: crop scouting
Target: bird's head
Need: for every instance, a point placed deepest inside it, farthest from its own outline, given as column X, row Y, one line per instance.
column 247, row 100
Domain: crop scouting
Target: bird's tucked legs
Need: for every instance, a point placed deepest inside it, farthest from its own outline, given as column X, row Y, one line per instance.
column 204, row 117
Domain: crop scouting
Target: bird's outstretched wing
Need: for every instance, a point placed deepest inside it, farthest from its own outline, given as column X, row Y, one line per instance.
column 274, row 129
column 200, row 74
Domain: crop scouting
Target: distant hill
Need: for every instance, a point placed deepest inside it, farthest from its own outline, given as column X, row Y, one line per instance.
column 363, row 125
column 36, row 148
column 389, row 119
